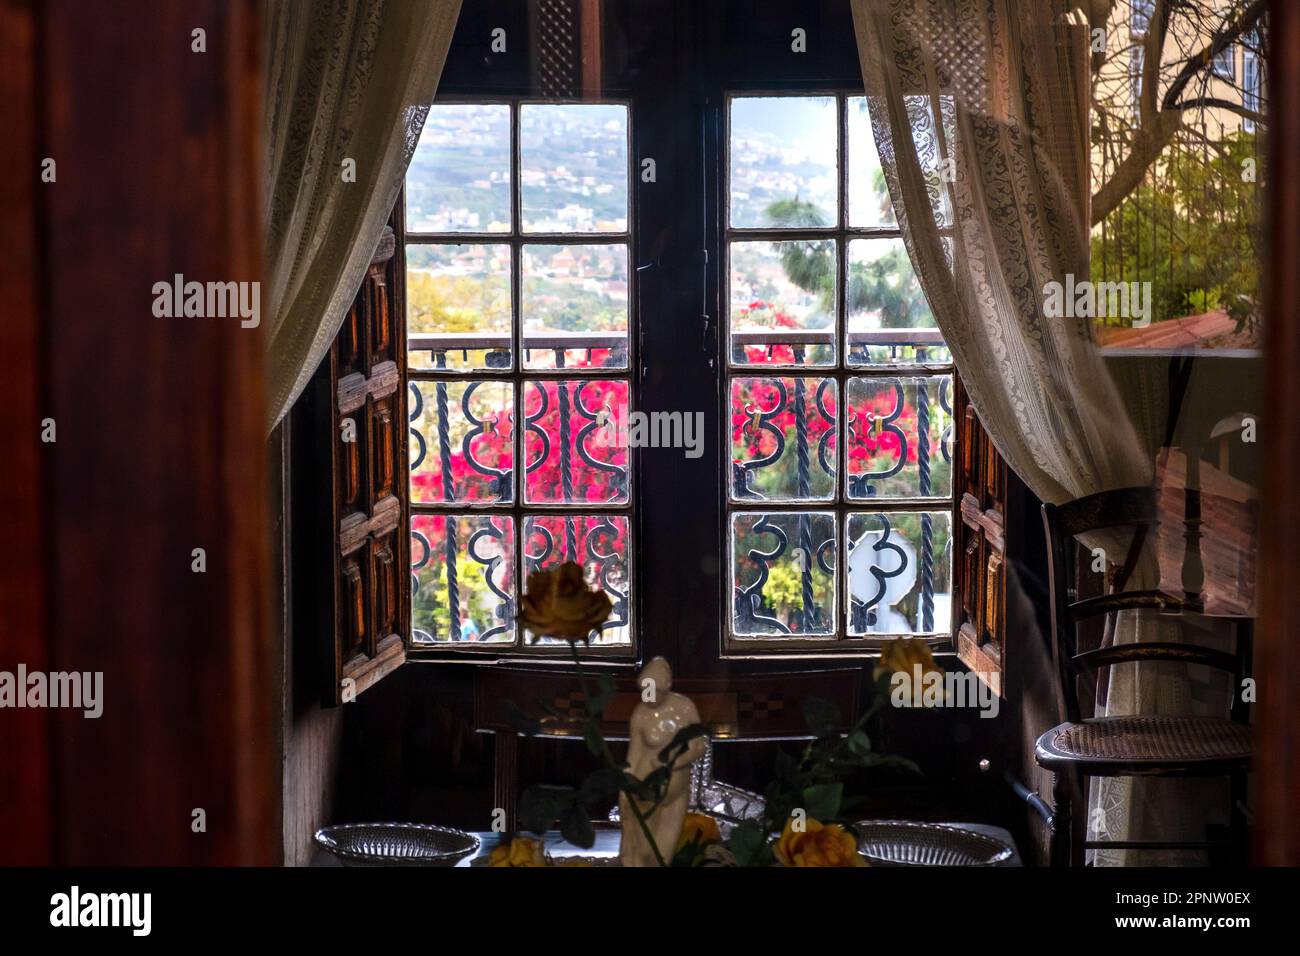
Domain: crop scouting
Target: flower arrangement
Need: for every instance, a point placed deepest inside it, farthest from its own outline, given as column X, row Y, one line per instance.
column 808, row 811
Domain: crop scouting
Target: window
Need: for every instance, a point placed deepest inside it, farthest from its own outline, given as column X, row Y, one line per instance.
column 1225, row 64
column 499, row 324
column 1251, row 62
column 517, row 270
column 1140, row 16
column 838, row 395
column 1136, row 59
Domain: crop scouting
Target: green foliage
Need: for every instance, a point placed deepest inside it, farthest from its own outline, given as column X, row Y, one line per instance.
column 429, row 601
column 1192, row 229
column 886, row 284
column 815, row 782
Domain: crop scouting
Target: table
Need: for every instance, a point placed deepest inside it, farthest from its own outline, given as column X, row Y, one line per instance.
column 607, row 843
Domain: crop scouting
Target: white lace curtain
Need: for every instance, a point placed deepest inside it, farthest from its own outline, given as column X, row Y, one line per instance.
column 349, row 83
column 990, row 190
column 980, row 113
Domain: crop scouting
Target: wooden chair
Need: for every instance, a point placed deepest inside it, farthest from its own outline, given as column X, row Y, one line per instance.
column 750, row 707
column 1155, row 746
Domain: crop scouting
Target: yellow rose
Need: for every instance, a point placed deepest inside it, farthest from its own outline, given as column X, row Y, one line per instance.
column 520, row 851
column 820, row 844
column 902, row 654
column 908, row 656
column 699, row 828
column 557, row 603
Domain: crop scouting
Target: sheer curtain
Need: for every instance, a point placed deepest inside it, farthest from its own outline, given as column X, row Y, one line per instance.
column 349, row 83
column 989, row 182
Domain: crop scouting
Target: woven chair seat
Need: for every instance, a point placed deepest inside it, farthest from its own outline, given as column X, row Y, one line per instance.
column 1159, row 740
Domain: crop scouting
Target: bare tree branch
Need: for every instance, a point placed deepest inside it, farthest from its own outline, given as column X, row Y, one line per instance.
column 1158, row 124
column 1220, row 42
column 1213, row 102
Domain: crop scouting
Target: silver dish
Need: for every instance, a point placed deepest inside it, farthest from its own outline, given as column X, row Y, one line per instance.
column 396, row 844
column 904, row 843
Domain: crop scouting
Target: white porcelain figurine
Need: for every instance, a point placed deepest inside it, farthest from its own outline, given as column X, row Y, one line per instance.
column 655, row 722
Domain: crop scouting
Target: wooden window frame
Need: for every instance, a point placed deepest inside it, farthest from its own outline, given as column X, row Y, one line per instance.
column 518, row 509
column 839, row 644
column 674, row 240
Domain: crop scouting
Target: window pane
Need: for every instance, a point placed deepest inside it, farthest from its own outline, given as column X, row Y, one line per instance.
column 600, row 544
column 869, row 203
column 458, row 306
column 574, row 449
column 462, row 578
column 889, row 318
column 573, row 167
column 900, row 573
column 887, row 457
column 459, row 177
column 575, row 306
column 783, row 439
column 783, row 578
column 461, row 442
column 783, row 159
column 783, row 303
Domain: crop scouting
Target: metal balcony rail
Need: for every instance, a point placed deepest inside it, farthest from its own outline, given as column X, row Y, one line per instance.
column 578, row 421
column 574, row 412
column 809, row 618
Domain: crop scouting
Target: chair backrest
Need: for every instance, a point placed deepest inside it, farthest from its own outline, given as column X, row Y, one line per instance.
column 1122, row 508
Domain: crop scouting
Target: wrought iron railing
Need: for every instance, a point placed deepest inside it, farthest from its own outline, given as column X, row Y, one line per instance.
column 808, row 617
column 578, row 421
column 577, row 416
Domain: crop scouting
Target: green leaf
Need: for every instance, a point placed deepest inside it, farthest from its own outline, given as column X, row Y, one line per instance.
column 859, row 743
column 822, row 801
column 542, row 805
column 688, row 854
column 748, row 844
column 601, row 786
column 647, row 790
column 593, row 738
column 576, row 828
column 682, row 740
column 821, row 716
column 903, row 763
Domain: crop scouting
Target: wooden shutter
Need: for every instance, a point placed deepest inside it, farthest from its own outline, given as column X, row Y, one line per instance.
column 361, row 408
column 981, row 548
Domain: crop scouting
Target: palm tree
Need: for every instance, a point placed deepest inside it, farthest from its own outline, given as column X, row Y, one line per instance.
column 885, row 284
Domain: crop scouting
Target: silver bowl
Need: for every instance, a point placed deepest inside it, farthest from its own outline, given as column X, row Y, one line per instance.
column 396, row 844
column 904, row 843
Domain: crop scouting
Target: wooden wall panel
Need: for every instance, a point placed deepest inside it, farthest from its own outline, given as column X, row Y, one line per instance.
column 980, row 538
column 161, row 434
column 1277, row 831
column 360, row 386
column 26, row 823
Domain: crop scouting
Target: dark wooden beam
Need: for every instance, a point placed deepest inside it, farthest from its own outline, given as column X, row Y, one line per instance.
column 160, row 433
column 1277, row 830
column 26, row 824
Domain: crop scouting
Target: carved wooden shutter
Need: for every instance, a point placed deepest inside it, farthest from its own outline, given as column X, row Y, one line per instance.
column 369, row 508
column 981, row 543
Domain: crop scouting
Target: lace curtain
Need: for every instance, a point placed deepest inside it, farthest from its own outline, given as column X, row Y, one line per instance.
column 990, row 186
column 349, row 83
